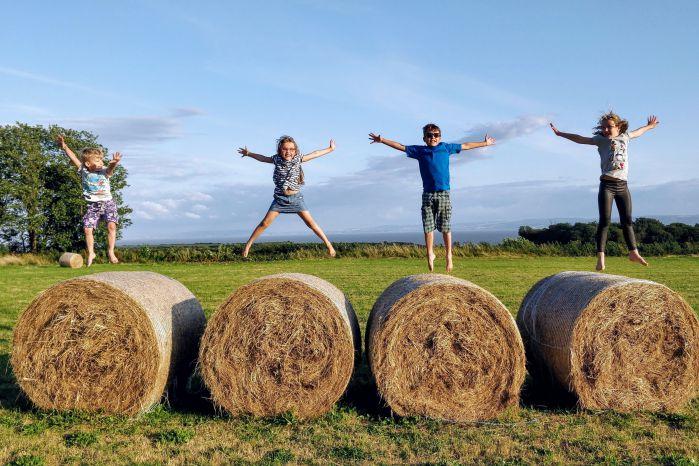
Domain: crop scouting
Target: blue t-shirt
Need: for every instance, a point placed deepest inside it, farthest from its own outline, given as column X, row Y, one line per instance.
column 434, row 164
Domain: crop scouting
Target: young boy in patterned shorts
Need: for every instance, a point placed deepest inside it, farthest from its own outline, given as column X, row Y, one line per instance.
column 433, row 160
column 97, row 193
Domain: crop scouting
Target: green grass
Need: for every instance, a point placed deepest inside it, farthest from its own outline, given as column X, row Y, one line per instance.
column 358, row 430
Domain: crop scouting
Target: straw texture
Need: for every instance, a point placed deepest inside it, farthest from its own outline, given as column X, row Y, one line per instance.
column 282, row 343
column 442, row 347
column 72, row 260
column 615, row 342
column 106, row 342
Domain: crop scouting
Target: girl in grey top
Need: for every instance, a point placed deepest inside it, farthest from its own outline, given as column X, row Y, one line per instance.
column 288, row 178
column 611, row 137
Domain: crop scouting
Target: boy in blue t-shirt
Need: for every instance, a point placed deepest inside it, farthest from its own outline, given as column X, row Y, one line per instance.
column 433, row 160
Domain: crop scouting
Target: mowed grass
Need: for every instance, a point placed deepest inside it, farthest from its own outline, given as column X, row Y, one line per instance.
column 359, row 429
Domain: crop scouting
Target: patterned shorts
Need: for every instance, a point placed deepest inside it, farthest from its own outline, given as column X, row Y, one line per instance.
column 436, row 211
column 102, row 210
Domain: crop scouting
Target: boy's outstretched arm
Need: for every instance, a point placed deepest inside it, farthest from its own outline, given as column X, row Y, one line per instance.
column 474, row 145
column 652, row 123
column 244, row 152
column 573, row 137
column 319, row 153
column 377, row 138
column 71, row 155
column 116, row 158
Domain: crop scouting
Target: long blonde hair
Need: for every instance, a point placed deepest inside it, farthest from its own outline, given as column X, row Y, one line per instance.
column 280, row 143
column 622, row 124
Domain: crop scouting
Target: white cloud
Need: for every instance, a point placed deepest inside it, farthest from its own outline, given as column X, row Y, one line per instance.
column 192, row 215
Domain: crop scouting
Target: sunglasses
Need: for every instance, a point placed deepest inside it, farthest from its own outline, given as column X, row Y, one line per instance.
column 433, row 135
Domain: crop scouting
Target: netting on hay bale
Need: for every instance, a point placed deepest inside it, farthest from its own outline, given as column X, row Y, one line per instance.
column 615, row 342
column 107, row 342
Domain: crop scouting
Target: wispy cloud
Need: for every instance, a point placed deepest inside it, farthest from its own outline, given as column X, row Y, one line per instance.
column 509, row 129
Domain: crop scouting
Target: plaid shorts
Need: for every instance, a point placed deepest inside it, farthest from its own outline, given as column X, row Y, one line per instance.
column 436, row 211
column 101, row 210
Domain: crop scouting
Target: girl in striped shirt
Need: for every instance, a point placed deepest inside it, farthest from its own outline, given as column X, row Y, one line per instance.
column 288, row 178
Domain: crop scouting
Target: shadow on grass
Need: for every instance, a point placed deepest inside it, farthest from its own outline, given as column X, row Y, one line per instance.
column 10, row 395
column 545, row 395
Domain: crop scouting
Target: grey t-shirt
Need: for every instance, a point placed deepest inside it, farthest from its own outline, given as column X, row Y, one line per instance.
column 613, row 153
column 95, row 185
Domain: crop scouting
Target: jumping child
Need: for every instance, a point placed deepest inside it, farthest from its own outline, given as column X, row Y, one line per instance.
column 611, row 138
column 97, row 193
column 433, row 160
column 288, row 179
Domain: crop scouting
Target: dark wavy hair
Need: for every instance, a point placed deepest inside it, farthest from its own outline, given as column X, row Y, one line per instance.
column 622, row 124
column 280, row 143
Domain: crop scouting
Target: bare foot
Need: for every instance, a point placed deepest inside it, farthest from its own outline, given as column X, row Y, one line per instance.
column 634, row 256
column 450, row 264
column 600, row 264
column 90, row 258
column 331, row 252
column 245, row 253
column 113, row 259
column 430, row 261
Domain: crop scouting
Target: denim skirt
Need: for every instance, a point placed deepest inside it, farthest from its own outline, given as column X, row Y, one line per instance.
column 292, row 204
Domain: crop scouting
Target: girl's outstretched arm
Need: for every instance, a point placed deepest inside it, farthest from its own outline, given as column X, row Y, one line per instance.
column 473, row 145
column 71, row 155
column 652, row 123
column 244, row 152
column 377, row 138
column 573, row 137
column 319, row 153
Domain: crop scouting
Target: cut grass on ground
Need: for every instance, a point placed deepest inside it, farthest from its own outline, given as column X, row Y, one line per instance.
column 358, row 429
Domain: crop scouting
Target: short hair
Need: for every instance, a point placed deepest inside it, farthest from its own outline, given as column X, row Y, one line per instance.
column 92, row 153
column 430, row 127
column 622, row 124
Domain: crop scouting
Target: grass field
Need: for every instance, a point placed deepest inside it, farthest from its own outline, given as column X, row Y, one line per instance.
column 359, row 429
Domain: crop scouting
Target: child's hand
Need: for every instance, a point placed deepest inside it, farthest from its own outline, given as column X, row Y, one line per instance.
column 243, row 151
column 116, row 158
column 488, row 141
column 555, row 130
column 374, row 138
column 332, row 144
column 653, row 121
column 60, row 140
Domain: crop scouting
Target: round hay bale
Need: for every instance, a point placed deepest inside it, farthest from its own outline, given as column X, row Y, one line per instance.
column 615, row 342
column 442, row 347
column 282, row 343
column 106, row 342
column 70, row 259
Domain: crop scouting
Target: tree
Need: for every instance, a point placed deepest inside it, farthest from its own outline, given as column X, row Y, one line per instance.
column 41, row 205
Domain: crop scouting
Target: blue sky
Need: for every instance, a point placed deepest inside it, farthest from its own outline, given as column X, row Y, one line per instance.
column 178, row 86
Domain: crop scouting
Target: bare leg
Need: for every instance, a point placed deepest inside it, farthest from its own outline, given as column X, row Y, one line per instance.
column 266, row 221
column 310, row 223
column 634, row 256
column 90, row 243
column 111, row 240
column 429, row 242
column 600, row 262
column 447, row 245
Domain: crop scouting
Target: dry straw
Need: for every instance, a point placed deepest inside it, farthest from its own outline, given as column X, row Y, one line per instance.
column 282, row 343
column 72, row 260
column 106, row 342
column 442, row 347
column 615, row 342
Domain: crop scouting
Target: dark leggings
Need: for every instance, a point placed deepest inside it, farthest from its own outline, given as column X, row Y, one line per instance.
column 614, row 191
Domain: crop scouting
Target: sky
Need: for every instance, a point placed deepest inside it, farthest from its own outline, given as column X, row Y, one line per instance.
column 178, row 86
